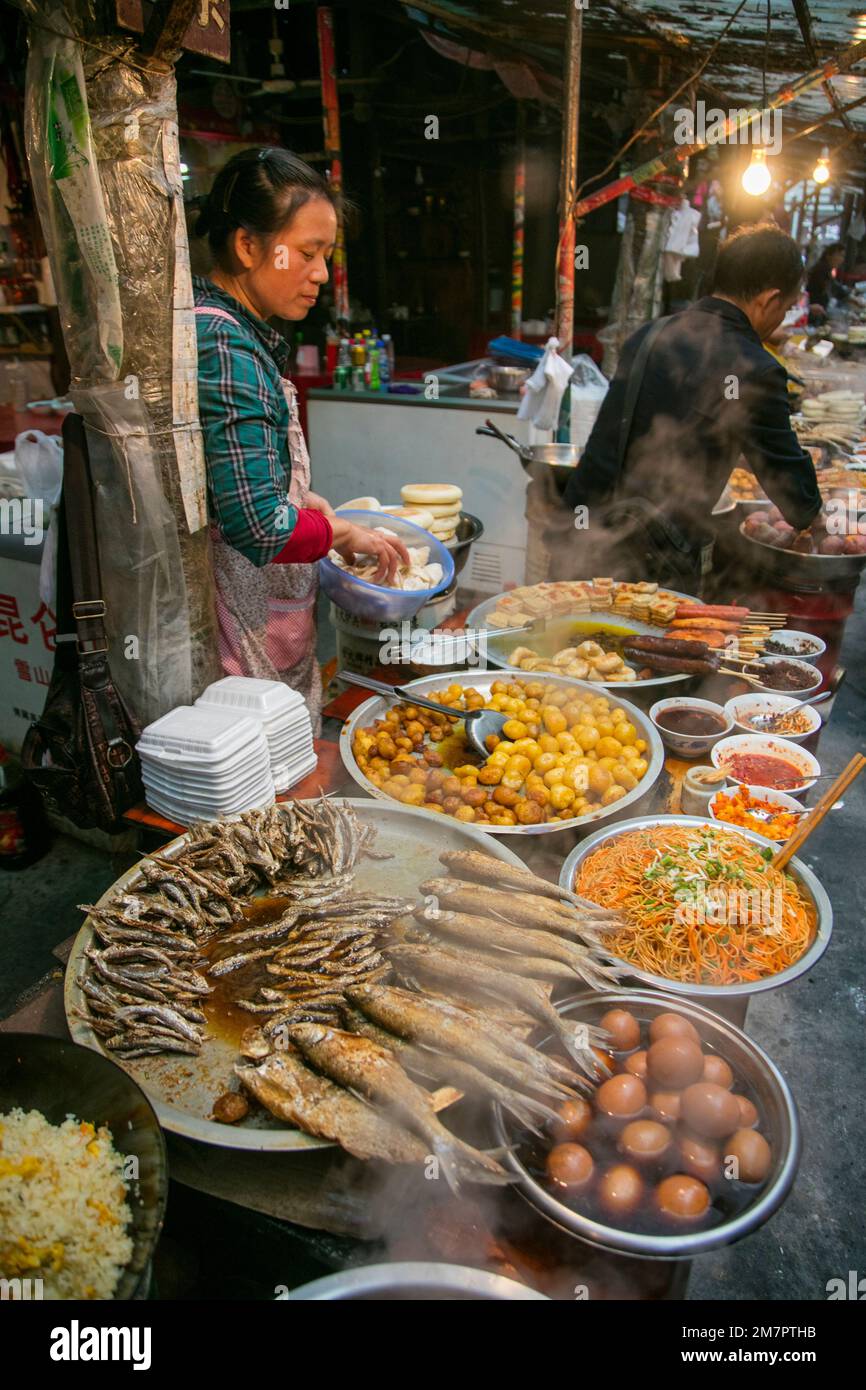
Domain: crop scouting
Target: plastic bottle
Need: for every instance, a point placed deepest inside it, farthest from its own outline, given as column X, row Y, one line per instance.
column 389, row 348
column 373, row 381
column 384, row 366
column 358, row 357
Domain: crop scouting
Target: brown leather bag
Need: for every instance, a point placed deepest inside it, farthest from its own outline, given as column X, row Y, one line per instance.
column 80, row 753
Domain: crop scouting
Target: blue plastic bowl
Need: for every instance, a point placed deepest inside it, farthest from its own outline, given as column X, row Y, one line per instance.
column 373, row 603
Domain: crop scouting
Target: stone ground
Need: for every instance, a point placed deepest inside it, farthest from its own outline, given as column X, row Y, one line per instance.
column 814, row 1029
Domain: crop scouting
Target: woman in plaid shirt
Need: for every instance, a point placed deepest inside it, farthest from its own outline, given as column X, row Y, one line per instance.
column 271, row 223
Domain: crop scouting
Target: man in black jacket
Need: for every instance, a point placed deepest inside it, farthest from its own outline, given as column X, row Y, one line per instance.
column 642, row 496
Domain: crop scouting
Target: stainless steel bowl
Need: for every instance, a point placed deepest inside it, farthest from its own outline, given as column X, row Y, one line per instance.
column 752, row 1067
column 799, row 871
column 375, row 707
column 415, row 1281
column 507, row 378
column 813, row 571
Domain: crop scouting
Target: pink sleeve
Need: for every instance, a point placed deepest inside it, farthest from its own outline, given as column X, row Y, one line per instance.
column 310, row 540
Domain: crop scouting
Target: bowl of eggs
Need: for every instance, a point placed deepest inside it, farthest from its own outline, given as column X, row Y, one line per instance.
column 689, row 1139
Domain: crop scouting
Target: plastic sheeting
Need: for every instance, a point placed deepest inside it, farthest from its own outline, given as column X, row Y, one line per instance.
column 101, row 138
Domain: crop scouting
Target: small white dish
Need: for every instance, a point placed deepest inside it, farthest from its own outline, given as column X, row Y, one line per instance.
column 800, row 692
column 790, row 638
column 690, row 745
column 766, row 745
column 768, row 794
column 743, row 707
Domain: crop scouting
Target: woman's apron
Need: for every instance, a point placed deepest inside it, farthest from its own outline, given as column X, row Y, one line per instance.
column 267, row 614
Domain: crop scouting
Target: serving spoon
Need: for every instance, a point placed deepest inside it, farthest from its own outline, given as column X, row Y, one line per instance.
column 479, row 723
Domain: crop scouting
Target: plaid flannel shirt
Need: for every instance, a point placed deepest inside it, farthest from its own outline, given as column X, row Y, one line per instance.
column 245, row 421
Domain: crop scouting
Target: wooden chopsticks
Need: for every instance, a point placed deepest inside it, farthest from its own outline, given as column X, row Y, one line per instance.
column 819, row 811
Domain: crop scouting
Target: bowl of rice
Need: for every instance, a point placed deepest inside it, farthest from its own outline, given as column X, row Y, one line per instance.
column 83, row 1173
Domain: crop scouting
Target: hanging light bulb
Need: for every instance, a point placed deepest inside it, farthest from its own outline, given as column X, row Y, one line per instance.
column 821, row 171
column 757, row 178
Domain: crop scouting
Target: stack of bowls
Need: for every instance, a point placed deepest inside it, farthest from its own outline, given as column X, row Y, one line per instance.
column 199, row 763
column 284, row 720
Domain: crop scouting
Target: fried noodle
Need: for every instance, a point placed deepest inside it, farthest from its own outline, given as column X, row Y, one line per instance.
column 704, row 905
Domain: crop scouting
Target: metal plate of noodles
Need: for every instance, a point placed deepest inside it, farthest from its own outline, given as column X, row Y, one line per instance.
column 182, row 1089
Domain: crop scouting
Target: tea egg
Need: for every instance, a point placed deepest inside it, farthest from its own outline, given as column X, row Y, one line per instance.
column 748, row 1112
column 622, row 1096
column 636, row 1064
column 709, row 1110
column 575, row 1116
column 666, row 1025
column 620, row 1189
column 717, row 1070
column 698, row 1158
column 665, row 1105
column 683, row 1197
column 752, row 1153
column 570, row 1165
column 675, row 1061
column 623, row 1028
column 644, row 1141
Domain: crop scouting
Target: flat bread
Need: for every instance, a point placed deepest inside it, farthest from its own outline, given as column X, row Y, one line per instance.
column 431, row 494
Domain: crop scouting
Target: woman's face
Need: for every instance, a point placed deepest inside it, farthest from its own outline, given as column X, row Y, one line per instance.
column 283, row 277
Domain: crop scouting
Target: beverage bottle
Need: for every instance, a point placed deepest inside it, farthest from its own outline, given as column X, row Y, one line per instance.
column 373, row 381
column 23, row 830
column 358, row 356
column 389, row 348
column 384, row 365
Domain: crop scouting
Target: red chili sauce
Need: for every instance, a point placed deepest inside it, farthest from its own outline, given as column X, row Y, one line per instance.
column 762, row 770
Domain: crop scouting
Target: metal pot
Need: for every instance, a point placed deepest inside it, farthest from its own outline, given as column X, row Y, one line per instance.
column 423, row 1281
column 507, row 378
column 539, row 460
column 751, row 1065
column 805, row 571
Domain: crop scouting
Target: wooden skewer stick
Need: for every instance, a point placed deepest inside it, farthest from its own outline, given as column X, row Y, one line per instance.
column 819, row 811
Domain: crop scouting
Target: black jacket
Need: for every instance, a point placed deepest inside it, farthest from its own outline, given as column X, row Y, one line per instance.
column 710, row 392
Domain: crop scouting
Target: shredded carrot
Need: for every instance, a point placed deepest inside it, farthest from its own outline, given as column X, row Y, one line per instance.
column 703, row 904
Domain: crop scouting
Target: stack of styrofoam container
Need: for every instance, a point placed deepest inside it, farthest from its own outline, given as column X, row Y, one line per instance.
column 284, row 720
column 200, row 764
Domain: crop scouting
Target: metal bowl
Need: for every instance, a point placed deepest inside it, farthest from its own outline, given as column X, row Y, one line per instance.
column 469, row 530
column 751, row 1066
column 507, row 378
column 482, row 681
column 415, row 1281
column 814, row 571
column 800, row 872
column 60, row 1078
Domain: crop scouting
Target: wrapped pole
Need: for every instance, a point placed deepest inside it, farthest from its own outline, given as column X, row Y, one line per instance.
column 568, row 179
column 101, row 138
column 519, row 217
column 331, row 118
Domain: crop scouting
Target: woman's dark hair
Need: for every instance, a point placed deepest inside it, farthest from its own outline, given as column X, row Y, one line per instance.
column 758, row 258
column 260, row 190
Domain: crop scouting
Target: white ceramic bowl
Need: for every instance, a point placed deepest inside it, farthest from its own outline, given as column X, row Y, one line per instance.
column 743, row 707
column 800, row 693
column 790, row 636
column 690, row 745
column 767, row 745
column 780, row 799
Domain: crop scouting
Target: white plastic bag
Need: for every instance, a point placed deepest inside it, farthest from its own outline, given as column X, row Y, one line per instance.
column 39, row 460
column 589, row 387
column 544, row 390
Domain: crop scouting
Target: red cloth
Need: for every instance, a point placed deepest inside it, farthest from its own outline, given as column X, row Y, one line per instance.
column 310, row 540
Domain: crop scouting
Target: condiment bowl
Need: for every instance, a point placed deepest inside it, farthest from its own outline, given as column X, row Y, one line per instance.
column 745, row 707
column 767, row 745
column 801, row 691
column 780, row 800
column 690, row 745
column 754, row 1071
column 790, row 638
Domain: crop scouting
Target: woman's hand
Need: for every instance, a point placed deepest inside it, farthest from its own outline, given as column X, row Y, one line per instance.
column 350, row 541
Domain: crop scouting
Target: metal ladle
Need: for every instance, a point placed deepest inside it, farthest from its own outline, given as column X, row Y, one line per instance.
column 479, row 723
column 768, row 722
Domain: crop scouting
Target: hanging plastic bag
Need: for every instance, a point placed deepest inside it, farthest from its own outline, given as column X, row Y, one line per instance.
column 544, row 390
column 589, row 387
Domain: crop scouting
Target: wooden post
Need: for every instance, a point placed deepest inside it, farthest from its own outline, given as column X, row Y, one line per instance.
column 331, row 118
column 519, row 218
column 568, row 178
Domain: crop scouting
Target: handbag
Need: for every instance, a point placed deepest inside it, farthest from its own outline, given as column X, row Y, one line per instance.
column 80, row 753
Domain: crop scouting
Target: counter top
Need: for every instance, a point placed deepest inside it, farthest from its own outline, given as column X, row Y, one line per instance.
column 448, row 396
